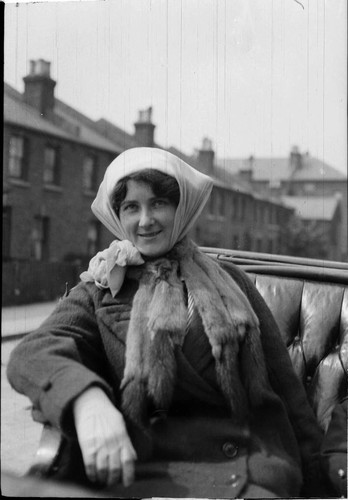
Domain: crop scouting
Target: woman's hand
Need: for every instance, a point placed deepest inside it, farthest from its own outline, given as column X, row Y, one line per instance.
column 106, row 448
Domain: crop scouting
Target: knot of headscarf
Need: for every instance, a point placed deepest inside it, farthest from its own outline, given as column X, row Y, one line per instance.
column 108, row 268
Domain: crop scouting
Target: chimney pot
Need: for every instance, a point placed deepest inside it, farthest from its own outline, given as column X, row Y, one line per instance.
column 32, row 68
column 246, row 173
column 43, row 68
column 207, row 144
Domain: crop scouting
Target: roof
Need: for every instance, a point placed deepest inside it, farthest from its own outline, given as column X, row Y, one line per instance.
column 278, row 169
column 18, row 113
column 64, row 122
column 226, row 180
column 116, row 134
column 230, row 182
column 313, row 207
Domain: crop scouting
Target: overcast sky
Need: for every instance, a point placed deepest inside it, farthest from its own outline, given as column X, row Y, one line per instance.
column 255, row 76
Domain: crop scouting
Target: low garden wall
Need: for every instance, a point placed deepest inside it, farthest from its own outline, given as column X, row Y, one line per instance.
column 26, row 282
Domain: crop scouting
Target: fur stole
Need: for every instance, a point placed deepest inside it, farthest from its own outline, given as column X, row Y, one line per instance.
column 158, row 324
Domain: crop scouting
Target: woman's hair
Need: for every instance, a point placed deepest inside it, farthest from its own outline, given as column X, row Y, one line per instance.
column 162, row 185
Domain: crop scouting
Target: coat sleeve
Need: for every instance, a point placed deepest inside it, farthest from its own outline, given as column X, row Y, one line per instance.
column 62, row 358
column 286, row 384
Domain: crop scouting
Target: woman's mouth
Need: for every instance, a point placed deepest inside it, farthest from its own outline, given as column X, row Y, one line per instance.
column 149, row 235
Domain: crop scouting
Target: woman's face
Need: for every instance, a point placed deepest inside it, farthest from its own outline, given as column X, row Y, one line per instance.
column 147, row 219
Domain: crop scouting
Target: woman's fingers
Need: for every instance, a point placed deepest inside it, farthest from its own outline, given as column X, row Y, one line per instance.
column 111, row 462
column 128, row 456
column 102, row 466
column 114, row 472
column 89, row 458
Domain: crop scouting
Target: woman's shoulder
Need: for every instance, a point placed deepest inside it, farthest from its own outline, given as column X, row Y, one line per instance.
column 89, row 294
column 238, row 274
column 83, row 294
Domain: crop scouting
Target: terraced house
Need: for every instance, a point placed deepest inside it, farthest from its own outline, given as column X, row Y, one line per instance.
column 54, row 159
column 315, row 190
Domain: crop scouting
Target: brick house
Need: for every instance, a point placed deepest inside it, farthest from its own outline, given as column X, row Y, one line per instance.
column 235, row 217
column 54, row 160
column 299, row 175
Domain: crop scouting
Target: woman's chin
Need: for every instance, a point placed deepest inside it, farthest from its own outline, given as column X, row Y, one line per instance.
column 153, row 253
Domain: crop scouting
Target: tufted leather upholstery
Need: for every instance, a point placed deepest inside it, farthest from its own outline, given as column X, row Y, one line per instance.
column 313, row 321
column 310, row 305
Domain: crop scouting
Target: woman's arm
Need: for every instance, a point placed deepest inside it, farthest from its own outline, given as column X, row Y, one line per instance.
column 61, row 359
column 60, row 368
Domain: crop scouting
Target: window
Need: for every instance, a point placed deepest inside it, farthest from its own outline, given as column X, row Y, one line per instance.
column 273, row 214
column 220, row 203
column 6, row 232
column 89, row 179
column 247, row 241
column 270, row 246
column 235, row 207
column 309, row 187
column 256, row 212
column 17, row 160
column 40, row 238
column 242, row 208
column 274, row 183
column 93, row 237
column 261, row 214
column 51, row 167
column 211, row 203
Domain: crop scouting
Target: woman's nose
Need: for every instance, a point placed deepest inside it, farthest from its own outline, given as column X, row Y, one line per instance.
column 146, row 218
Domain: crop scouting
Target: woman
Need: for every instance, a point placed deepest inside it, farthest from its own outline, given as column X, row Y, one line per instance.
column 170, row 370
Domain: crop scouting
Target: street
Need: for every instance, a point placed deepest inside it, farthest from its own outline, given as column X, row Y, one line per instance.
column 19, row 434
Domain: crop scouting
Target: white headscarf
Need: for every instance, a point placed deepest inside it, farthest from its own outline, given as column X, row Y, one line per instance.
column 194, row 187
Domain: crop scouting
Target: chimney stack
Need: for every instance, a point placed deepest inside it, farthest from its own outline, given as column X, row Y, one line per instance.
column 39, row 87
column 295, row 159
column 246, row 173
column 144, row 128
column 206, row 157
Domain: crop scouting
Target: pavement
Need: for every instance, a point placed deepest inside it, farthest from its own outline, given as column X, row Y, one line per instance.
column 20, row 435
column 16, row 321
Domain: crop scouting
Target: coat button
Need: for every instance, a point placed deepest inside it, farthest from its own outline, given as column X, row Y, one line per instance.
column 229, row 449
column 234, row 480
column 341, row 473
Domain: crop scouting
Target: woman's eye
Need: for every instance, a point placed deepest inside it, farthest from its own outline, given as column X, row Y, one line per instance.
column 159, row 203
column 129, row 207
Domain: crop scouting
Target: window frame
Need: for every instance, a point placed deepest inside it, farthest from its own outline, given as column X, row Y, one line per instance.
column 21, row 159
column 56, row 181
column 93, row 244
column 6, row 232
column 93, row 175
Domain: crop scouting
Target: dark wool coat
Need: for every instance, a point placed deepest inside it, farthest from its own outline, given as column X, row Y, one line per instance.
column 194, row 450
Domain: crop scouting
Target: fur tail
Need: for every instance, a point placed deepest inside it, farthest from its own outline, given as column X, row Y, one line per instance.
column 228, row 374
column 253, row 367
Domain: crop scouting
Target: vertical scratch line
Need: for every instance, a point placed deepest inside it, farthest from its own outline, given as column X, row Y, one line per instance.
column 166, row 112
